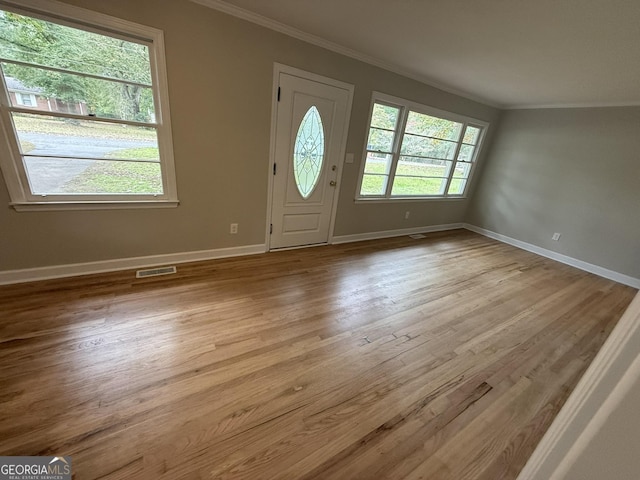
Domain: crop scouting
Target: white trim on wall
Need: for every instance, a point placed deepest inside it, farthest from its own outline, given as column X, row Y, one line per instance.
column 334, row 47
column 103, row 266
column 70, row 270
column 359, row 237
column 572, row 105
column 574, row 262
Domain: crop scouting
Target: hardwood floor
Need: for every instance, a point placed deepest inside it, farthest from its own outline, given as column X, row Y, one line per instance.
column 440, row 358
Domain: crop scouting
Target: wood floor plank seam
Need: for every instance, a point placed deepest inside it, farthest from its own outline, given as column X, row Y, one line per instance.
column 443, row 358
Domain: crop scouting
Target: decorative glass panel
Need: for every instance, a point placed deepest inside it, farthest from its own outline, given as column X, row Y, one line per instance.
column 308, row 152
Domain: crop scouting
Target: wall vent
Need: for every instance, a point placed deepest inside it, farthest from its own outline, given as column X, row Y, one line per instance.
column 154, row 272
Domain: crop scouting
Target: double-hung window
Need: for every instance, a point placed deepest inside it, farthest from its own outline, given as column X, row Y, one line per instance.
column 415, row 151
column 99, row 135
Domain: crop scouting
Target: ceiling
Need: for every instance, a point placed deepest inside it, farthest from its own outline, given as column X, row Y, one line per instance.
column 508, row 53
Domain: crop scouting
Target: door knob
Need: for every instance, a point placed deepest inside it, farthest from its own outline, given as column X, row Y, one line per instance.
column 333, row 183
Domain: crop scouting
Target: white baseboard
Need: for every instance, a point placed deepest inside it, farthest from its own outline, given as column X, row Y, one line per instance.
column 71, row 270
column 574, row 262
column 359, row 237
column 596, row 395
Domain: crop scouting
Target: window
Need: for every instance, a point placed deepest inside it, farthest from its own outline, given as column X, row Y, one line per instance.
column 101, row 136
column 308, row 152
column 26, row 99
column 414, row 151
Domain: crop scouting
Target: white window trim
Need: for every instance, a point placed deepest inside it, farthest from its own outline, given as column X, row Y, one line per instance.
column 404, row 105
column 20, row 99
column 17, row 184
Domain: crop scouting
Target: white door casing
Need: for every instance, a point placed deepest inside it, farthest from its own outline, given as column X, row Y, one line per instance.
column 303, row 212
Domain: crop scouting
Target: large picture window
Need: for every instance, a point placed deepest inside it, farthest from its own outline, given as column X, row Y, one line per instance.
column 95, row 129
column 414, row 151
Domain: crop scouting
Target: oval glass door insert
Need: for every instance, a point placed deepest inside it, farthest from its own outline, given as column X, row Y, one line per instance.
column 308, row 152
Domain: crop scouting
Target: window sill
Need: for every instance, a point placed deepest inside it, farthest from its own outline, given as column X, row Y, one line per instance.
column 113, row 205
column 409, row 199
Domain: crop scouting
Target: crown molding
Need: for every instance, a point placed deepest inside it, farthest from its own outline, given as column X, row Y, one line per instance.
column 573, row 105
column 271, row 24
column 337, row 48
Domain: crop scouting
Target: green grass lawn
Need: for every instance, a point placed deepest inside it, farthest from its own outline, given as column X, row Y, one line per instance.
column 140, row 153
column 121, row 177
column 103, row 176
column 411, row 179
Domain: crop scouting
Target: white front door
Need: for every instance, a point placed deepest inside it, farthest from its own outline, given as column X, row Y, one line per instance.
column 310, row 135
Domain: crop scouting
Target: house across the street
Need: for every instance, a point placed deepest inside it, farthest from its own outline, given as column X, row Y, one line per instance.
column 33, row 97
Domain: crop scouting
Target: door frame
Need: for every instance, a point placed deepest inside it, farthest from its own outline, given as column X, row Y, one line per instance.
column 279, row 68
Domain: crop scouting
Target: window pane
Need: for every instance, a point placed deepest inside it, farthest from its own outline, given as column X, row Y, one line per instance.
column 427, row 147
column 462, row 170
column 466, row 153
column 45, row 43
column 418, row 186
column 43, row 135
column 66, row 93
column 377, row 163
column 423, row 167
column 308, row 152
column 380, row 140
column 384, row 116
column 429, row 126
column 71, row 176
column 471, row 135
column 373, row 185
column 457, row 186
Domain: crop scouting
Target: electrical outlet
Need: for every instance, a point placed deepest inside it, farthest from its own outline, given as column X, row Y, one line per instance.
column 556, row 237
column 233, row 228
column 406, row 214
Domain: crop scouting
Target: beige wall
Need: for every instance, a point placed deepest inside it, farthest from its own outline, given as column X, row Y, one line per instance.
column 220, row 72
column 573, row 171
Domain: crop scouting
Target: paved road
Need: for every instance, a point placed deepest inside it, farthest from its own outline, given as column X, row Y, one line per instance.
column 50, row 175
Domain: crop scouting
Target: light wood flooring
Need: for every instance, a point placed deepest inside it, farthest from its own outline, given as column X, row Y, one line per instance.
column 440, row 358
